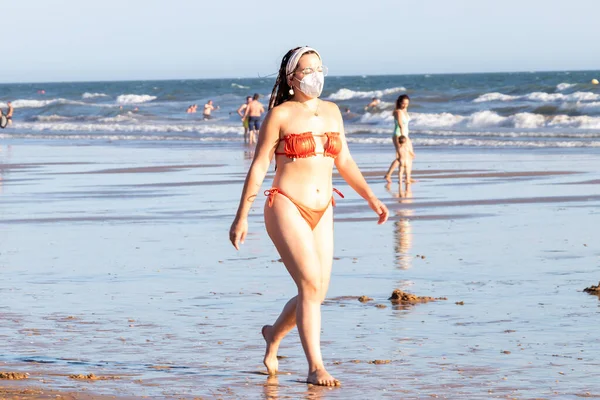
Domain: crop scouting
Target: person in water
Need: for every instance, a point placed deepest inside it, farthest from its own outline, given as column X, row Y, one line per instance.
column 401, row 119
column 9, row 112
column 306, row 137
column 208, row 109
column 373, row 104
column 348, row 114
column 253, row 112
column 241, row 113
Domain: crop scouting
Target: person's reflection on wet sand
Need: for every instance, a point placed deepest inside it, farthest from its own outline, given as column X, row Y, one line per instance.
column 271, row 388
column 403, row 237
column 248, row 154
column 317, row 392
column 4, row 159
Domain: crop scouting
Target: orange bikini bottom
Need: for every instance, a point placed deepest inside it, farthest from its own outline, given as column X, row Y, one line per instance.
column 310, row 215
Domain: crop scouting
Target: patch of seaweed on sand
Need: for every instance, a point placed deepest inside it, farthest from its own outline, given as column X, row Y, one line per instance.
column 92, row 377
column 595, row 290
column 400, row 297
column 13, row 376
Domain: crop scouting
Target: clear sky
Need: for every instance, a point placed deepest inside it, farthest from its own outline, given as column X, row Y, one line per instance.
column 74, row 40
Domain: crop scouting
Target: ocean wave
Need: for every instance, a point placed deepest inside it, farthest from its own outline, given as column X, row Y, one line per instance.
column 117, row 137
column 119, row 118
column 134, row 98
column 468, row 142
column 539, row 126
column 586, row 107
column 539, row 96
column 30, row 103
column 51, row 118
column 238, row 86
column 564, row 86
column 495, row 96
column 82, row 118
column 487, row 119
column 87, row 95
column 347, row 94
column 115, row 124
column 425, row 142
column 551, row 97
column 357, row 131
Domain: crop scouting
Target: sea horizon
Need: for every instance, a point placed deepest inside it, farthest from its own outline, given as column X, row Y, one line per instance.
column 272, row 75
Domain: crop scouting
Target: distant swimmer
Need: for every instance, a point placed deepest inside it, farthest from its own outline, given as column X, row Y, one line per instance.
column 253, row 112
column 41, row 91
column 348, row 114
column 401, row 119
column 241, row 112
column 373, row 104
column 208, row 109
column 10, row 112
column 192, row 109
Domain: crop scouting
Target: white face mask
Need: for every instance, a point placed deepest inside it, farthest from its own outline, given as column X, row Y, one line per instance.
column 312, row 84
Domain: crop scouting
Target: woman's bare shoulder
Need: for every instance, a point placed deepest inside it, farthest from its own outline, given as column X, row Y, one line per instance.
column 280, row 111
column 330, row 107
column 329, row 104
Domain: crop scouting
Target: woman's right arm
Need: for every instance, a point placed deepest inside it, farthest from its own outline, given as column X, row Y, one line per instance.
column 398, row 116
column 268, row 138
column 397, row 138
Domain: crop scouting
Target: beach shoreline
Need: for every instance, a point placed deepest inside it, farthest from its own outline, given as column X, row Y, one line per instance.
column 115, row 261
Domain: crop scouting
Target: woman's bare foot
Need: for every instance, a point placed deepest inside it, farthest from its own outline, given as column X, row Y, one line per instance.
column 388, row 178
column 270, row 359
column 321, row 377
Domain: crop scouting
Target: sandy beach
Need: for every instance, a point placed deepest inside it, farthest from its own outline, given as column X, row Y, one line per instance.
column 115, row 261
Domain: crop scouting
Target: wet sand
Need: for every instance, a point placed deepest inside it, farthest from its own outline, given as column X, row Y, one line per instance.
column 115, row 262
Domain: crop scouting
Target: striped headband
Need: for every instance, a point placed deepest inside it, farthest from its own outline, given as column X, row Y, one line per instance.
column 295, row 58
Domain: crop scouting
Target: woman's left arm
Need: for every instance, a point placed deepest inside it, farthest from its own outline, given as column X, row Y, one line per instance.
column 349, row 171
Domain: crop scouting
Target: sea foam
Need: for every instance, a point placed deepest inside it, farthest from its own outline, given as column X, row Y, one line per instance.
column 87, row 95
column 347, row 94
column 485, row 119
column 539, row 97
column 134, row 98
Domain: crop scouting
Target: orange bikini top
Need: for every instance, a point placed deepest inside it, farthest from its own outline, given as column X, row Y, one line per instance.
column 303, row 145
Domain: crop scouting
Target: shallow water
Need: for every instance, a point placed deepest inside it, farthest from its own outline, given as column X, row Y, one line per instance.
column 129, row 273
column 516, row 110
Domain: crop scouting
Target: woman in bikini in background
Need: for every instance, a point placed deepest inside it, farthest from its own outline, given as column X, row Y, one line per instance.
column 306, row 135
column 401, row 119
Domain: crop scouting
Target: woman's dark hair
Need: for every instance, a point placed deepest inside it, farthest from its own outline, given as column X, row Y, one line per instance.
column 401, row 98
column 281, row 90
column 402, row 139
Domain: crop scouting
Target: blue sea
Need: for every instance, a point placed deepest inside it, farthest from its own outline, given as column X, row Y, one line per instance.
column 520, row 110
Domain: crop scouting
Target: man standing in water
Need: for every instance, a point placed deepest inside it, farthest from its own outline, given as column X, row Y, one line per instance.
column 253, row 112
column 9, row 112
column 208, row 108
column 373, row 104
column 240, row 112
